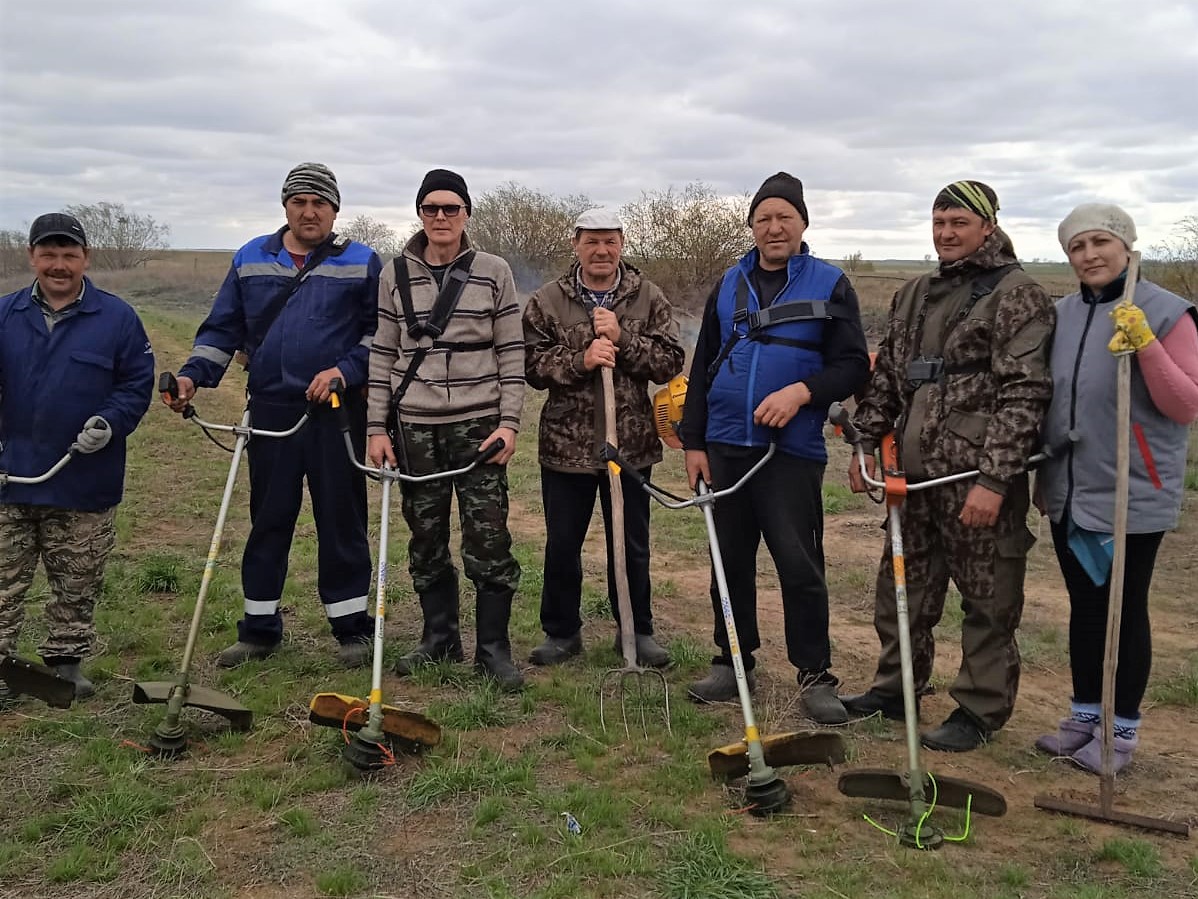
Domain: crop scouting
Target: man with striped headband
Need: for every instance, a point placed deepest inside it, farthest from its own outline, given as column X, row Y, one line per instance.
column 962, row 380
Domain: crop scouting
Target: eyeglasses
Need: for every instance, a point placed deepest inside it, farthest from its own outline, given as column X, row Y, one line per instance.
column 430, row 210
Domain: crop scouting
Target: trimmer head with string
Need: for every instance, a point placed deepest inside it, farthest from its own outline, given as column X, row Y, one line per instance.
column 755, row 756
column 922, row 791
column 379, row 730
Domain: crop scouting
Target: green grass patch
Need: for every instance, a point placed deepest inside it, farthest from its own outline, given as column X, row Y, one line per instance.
column 1180, row 689
column 342, row 880
column 1139, row 858
column 701, row 864
column 485, row 774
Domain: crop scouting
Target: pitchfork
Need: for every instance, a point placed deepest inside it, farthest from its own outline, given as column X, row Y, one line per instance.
column 643, row 680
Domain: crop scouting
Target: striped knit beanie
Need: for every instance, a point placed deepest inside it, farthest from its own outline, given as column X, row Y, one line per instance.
column 312, row 178
column 972, row 195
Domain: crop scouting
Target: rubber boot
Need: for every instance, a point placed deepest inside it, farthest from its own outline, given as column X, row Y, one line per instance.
column 70, row 671
column 441, row 637
column 493, row 652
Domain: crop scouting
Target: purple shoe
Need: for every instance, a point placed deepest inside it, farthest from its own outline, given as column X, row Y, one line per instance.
column 1071, row 736
column 1090, row 755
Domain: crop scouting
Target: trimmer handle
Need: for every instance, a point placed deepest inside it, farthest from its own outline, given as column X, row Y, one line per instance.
column 336, row 390
column 839, row 416
column 485, row 455
column 168, row 386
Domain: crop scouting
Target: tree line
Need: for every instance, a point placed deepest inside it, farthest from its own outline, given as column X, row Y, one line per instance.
column 681, row 238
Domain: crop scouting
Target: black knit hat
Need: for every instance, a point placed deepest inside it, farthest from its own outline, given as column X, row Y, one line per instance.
column 784, row 187
column 443, row 179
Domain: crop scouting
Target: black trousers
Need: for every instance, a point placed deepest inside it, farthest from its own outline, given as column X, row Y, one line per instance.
column 278, row 468
column 784, row 504
column 1087, row 622
column 569, row 501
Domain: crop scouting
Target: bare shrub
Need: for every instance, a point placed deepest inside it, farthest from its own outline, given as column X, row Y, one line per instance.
column 684, row 240
column 118, row 237
column 528, row 228
column 1174, row 263
column 377, row 235
column 14, row 253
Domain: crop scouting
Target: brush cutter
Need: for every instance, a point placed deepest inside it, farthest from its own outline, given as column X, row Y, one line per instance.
column 21, row 675
column 374, row 724
column 916, row 786
column 755, row 756
column 169, row 738
column 632, row 673
column 1105, row 810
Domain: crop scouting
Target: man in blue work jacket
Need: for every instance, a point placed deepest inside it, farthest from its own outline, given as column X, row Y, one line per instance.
column 76, row 372
column 302, row 305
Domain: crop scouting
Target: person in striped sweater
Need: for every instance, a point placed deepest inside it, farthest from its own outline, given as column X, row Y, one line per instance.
column 441, row 389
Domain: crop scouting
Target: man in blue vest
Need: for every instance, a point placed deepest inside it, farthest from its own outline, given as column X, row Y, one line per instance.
column 303, row 305
column 76, row 372
column 780, row 341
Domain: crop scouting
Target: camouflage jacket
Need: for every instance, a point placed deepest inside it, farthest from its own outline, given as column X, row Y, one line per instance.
column 985, row 411
column 557, row 332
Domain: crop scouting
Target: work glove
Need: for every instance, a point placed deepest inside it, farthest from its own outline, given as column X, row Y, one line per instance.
column 95, row 435
column 1132, row 332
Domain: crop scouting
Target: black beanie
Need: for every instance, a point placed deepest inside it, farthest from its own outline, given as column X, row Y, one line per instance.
column 784, row 187
column 443, row 179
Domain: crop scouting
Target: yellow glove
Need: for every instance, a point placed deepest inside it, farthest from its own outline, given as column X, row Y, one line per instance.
column 1132, row 333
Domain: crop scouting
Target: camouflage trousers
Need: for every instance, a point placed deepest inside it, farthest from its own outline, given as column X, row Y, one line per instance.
column 987, row 565
column 73, row 547
column 482, row 507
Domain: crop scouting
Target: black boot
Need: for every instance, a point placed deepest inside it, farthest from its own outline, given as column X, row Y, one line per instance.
column 441, row 638
column 493, row 655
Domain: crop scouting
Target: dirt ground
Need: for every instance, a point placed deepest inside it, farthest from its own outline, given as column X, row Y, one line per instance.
column 1162, row 782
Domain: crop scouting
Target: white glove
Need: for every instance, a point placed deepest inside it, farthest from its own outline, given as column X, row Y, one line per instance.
column 95, row 435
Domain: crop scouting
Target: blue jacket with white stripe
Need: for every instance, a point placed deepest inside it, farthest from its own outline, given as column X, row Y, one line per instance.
column 329, row 321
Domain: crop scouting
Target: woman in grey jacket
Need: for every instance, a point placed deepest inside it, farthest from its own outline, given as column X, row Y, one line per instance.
column 1076, row 488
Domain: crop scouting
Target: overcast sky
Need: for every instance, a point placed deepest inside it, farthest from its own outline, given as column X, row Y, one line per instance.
column 193, row 112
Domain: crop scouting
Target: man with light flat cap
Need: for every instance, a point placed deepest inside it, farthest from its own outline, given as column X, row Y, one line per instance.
column 962, row 379
column 602, row 313
column 781, row 340
column 300, row 303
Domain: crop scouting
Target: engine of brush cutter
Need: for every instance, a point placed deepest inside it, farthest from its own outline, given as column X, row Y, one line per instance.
column 667, row 410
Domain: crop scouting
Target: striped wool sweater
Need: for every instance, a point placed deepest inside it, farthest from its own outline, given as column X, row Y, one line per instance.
column 450, row 385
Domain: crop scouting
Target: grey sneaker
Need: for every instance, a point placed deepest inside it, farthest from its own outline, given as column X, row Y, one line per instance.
column 820, row 702
column 7, row 697
column 649, row 653
column 356, row 653
column 719, row 685
column 556, row 650
column 240, row 653
column 70, row 671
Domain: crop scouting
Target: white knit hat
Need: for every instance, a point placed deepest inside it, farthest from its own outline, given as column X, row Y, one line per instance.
column 1097, row 217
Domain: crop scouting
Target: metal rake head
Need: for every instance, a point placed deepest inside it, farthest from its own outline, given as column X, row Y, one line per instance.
column 643, row 691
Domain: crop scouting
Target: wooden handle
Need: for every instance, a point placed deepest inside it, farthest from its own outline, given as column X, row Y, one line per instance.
column 620, row 562
column 1114, row 620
